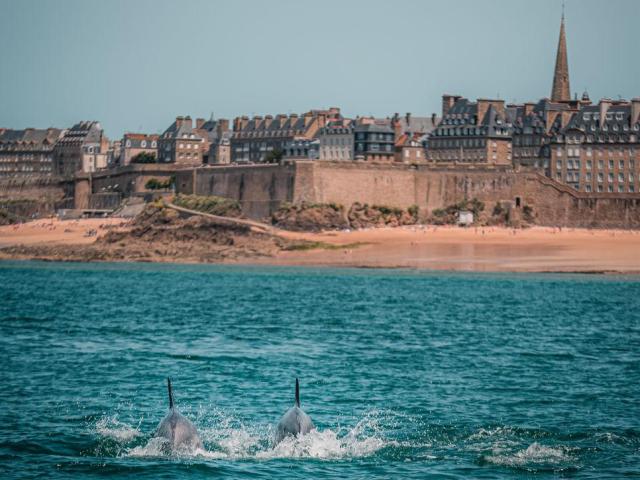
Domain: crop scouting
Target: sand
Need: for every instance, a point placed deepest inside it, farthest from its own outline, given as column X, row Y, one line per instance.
column 537, row 249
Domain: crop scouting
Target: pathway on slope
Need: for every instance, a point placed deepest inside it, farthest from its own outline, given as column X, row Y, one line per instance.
column 230, row 221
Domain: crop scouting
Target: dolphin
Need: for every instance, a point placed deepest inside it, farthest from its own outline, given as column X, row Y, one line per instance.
column 177, row 429
column 294, row 422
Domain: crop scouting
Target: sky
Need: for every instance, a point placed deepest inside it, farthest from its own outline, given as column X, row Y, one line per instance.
column 135, row 65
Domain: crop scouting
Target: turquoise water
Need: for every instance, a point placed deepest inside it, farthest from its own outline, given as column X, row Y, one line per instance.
column 405, row 374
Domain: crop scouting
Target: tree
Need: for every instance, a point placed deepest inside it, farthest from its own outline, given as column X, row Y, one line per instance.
column 274, row 156
column 144, row 157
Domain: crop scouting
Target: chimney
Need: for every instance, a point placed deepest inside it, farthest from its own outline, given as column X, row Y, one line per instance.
column 308, row 118
column 528, row 109
column 199, row 123
column 635, row 110
column 407, row 117
column 448, row 101
column 237, row 124
column 483, row 106
column 434, row 119
column 179, row 121
column 605, row 103
column 187, row 121
column 281, row 118
column 222, row 126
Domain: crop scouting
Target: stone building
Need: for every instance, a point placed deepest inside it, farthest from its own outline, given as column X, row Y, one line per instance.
column 472, row 133
column 599, row 149
column 260, row 139
column 133, row 144
column 409, row 148
column 181, row 144
column 373, row 140
column 301, row 149
column 83, row 148
column 336, row 141
column 217, row 140
column 28, row 151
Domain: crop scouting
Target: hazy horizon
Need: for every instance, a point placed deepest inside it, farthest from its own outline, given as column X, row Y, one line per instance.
column 135, row 65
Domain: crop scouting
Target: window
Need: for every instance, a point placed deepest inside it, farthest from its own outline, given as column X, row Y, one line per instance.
column 587, row 188
column 610, row 177
column 128, row 143
column 600, row 188
column 587, row 177
column 600, row 164
column 621, row 177
column 143, row 144
column 610, row 189
column 153, row 144
column 631, row 188
column 621, row 188
column 588, row 165
column 621, row 165
column 600, row 177
column 610, row 164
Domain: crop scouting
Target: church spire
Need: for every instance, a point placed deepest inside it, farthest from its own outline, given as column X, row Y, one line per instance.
column 561, row 90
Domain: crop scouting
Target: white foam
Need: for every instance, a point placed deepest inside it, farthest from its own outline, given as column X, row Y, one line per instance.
column 111, row 427
column 533, row 454
column 224, row 441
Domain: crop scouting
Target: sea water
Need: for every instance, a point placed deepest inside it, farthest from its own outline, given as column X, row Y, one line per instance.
column 405, row 374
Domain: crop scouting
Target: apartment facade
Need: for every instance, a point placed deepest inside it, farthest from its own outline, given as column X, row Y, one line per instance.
column 599, row 149
column 28, row 151
column 82, row 148
column 261, row 139
column 181, row 144
column 133, row 144
column 336, row 141
column 472, row 133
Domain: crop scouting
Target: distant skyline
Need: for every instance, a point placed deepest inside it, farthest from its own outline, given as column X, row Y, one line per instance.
column 134, row 65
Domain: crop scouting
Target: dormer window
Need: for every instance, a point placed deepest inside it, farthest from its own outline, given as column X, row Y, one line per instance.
column 143, row 144
column 609, row 116
column 619, row 115
column 586, row 116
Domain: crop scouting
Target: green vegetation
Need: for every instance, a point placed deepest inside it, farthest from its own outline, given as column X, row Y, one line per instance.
column 449, row 214
column 274, row 156
column 144, row 157
column 224, row 207
column 414, row 211
column 156, row 184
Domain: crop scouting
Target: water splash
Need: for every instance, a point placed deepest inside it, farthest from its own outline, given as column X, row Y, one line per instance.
column 231, row 440
column 533, row 457
column 112, row 428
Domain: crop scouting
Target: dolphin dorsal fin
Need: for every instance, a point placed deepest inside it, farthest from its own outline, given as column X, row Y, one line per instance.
column 297, row 393
column 170, row 393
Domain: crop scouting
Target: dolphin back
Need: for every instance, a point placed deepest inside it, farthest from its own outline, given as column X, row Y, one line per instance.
column 178, row 431
column 293, row 423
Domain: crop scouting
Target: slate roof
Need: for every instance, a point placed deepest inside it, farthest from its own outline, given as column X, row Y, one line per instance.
column 31, row 137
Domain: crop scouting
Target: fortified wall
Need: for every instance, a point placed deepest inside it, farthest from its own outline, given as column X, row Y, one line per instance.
column 26, row 196
column 262, row 188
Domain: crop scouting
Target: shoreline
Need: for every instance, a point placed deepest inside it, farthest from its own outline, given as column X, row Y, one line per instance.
column 419, row 247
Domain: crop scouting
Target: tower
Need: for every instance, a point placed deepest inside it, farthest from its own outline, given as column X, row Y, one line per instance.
column 561, row 90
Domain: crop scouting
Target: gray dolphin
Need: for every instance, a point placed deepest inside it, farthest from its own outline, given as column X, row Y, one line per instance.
column 177, row 429
column 295, row 421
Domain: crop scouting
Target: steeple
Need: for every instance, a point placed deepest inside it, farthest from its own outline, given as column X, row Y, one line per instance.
column 561, row 90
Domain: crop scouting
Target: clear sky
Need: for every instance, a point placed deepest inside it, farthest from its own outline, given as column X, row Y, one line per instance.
column 136, row 64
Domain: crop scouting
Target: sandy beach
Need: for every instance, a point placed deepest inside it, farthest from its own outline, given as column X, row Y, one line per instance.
column 538, row 249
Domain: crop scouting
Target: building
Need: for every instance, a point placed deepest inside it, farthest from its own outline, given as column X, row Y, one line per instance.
column 217, row 140
column 133, row 144
column 599, row 149
column 473, row 133
column 336, row 141
column 373, row 140
column 409, row 148
column 27, row 152
column 412, row 125
column 181, row 144
column 83, row 148
column 263, row 139
column 301, row 149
